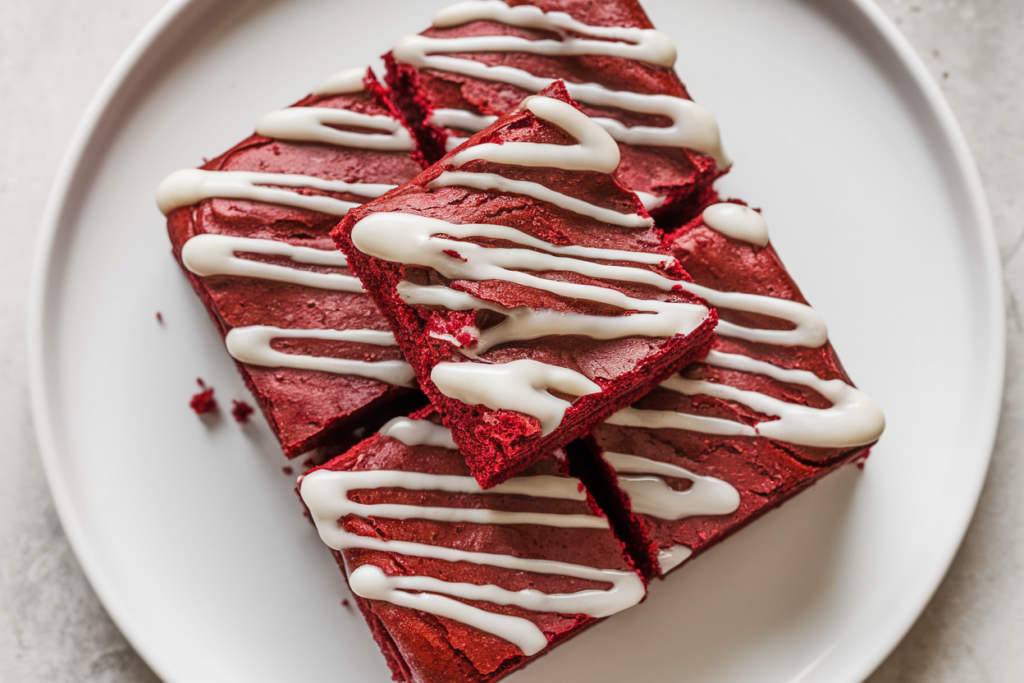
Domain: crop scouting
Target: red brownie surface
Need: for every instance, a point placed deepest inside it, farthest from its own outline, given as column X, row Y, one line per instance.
column 447, row 575
column 742, row 432
column 312, row 385
column 480, row 59
column 527, row 288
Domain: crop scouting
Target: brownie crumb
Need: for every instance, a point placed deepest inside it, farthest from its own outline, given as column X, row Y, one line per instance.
column 159, row 317
column 346, row 604
column 288, row 470
column 241, row 411
column 203, row 402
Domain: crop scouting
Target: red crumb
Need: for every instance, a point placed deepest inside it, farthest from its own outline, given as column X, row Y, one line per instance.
column 288, row 470
column 346, row 604
column 465, row 339
column 945, row 74
column 203, row 402
column 159, row 317
column 241, row 411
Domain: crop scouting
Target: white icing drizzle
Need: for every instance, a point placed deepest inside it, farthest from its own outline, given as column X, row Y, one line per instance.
column 524, row 323
column 738, row 222
column 493, row 181
column 809, row 327
column 595, row 149
column 670, row 558
column 645, row 45
column 326, row 495
column 418, row 433
column 210, row 254
column 460, row 118
column 308, row 124
column 412, row 240
column 650, row 495
column 314, row 124
column 852, row 420
column 342, row 83
column 650, row 201
column 521, row 386
column 252, row 345
column 192, row 185
column 541, row 486
column 692, row 126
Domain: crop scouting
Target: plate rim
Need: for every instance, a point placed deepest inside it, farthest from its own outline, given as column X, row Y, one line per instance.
column 158, row 33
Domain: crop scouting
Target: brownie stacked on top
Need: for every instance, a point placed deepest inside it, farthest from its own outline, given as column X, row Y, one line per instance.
column 251, row 229
column 527, row 288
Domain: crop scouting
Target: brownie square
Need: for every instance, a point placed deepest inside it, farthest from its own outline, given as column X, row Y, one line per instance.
column 251, row 228
column 527, row 288
column 480, row 59
column 456, row 583
column 768, row 413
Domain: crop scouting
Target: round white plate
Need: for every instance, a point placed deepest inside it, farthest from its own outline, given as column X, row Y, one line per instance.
column 188, row 528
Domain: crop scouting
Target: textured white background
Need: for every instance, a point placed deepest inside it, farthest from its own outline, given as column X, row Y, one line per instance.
column 53, row 55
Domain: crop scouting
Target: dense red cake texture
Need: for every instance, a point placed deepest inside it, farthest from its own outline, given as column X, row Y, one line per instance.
column 306, row 407
column 481, row 59
column 764, row 438
column 527, row 317
column 443, row 529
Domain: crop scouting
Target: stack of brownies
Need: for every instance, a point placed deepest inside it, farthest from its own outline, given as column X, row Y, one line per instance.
column 582, row 366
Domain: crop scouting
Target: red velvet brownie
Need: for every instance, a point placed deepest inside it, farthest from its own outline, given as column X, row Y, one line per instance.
column 456, row 583
column 764, row 416
column 527, row 288
column 252, row 228
column 481, row 58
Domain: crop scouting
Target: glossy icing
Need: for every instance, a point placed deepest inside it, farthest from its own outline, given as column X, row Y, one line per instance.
column 192, row 185
column 210, row 254
column 252, row 345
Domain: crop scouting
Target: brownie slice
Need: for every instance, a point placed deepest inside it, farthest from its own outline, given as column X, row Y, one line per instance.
column 251, row 229
column 767, row 414
column 527, row 288
column 480, row 59
column 457, row 583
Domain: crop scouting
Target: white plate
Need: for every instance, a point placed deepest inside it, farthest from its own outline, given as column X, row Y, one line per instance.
column 189, row 530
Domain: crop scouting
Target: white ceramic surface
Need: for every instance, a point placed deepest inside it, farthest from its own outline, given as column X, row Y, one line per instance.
column 189, row 530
